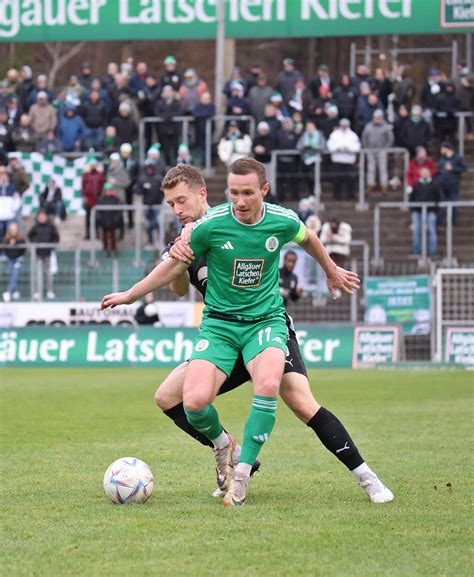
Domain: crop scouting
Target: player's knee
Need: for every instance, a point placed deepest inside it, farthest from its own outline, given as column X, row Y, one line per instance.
column 267, row 387
column 195, row 401
column 160, row 399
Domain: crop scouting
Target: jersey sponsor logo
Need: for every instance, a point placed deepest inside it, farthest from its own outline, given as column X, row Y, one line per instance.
column 227, row 246
column 271, row 244
column 247, row 272
column 201, row 345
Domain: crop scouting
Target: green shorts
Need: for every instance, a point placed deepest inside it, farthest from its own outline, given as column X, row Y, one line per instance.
column 220, row 341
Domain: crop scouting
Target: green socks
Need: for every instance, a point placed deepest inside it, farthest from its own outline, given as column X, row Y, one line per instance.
column 206, row 421
column 258, row 427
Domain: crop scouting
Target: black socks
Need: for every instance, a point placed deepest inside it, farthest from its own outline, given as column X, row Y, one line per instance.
column 335, row 438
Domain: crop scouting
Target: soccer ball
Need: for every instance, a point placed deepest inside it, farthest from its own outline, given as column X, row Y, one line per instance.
column 128, row 480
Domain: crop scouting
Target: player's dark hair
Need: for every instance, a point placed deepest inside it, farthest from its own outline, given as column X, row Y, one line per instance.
column 247, row 165
column 183, row 173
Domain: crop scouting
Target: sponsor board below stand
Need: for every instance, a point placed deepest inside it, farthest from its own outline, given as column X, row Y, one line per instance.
column 119, row 346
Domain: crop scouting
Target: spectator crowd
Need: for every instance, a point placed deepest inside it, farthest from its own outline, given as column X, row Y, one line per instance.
column 323, row 119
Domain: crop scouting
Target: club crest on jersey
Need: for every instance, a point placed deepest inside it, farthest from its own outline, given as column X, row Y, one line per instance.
column 271, row 243
column 201, row 345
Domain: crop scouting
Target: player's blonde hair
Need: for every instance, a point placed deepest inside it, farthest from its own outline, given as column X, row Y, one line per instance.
column 190, row 175
column 247, row 165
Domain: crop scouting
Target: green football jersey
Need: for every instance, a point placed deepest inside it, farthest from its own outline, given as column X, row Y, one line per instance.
column 243, row 259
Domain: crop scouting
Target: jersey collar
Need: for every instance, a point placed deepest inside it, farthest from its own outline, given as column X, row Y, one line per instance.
column 245, row 224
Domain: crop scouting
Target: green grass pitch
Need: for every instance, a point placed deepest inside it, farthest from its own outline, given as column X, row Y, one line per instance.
column 61, row 428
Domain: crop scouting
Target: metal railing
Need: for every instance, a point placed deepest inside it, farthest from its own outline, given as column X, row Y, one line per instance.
column 273, row 176
column 449, row 205
column 462, row 129
column 186, row 121
column 157, row 120
column 361, row 205
column 164, row 217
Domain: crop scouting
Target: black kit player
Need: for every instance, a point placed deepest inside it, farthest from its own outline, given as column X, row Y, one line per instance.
column 185, row 192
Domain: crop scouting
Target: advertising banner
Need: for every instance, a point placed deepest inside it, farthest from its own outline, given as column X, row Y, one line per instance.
column 88, row 20
column 459, row 346
column 74, row 314
column 404, row 301
column 374, row 345
column 93, row 346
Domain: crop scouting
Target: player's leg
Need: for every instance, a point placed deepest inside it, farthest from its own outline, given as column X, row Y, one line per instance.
column 201, row 384
column 296, row 392
column 169, row 397
column 264, row 353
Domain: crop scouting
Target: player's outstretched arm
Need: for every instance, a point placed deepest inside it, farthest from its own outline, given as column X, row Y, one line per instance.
column 159, row 277
column 338, row 279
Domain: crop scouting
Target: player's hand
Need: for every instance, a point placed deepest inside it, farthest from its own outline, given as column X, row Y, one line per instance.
column 186, row 232
column 114, row 299
column 181, row 251
column 342, row 280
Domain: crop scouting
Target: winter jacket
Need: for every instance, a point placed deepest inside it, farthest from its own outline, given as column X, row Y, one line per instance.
column 237, row 102
column 345, row 99
column 15, row 250
column 167, row 110
column 92, row 185
column 414, row 169
column 108, row 219
column 268, row 142
column 149, row 186
column 137, row 83
column 24, row 139
column 343, row 145
column 174, row 79
column 43, row 119
column 286, row 140
column 258, row 98
column 416, row 134
column 426, row 192
column 57, row 196
column 71, row 130
column 377, row 135
column 450, row 179
column 310, row 143
column 286, row 83
column 337, row 242
column 45, row 232
column 20, row 179
column 365, row 112
column 191, row 95
column 231, row 149
column 94, row 115
column 120, row 178
column 126, row 128
column 9, row 201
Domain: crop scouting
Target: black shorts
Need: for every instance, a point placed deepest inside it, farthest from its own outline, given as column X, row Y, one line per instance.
column 293, row 364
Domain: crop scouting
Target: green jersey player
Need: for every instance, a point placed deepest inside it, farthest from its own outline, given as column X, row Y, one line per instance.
column 244, row 312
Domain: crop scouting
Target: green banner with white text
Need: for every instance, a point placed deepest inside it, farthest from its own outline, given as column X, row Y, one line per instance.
column 99, row 20
column 320, row 345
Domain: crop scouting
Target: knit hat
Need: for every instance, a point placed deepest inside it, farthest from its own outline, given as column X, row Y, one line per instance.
column 154, row 149
column 108, row 186
column 114, row 156
column 276, row 97
column 182, row 147
column 170, row 60
column 126, row 147
column 263, row 126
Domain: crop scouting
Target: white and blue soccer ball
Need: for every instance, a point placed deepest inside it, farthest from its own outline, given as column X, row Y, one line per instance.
column 128, row 480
